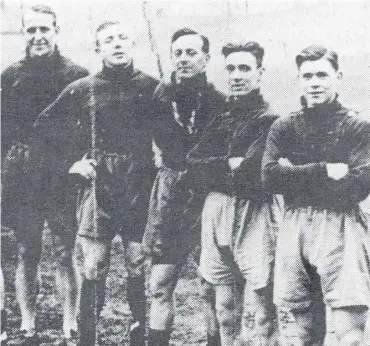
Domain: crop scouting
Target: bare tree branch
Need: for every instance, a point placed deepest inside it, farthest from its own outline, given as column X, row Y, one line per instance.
column 153, row 44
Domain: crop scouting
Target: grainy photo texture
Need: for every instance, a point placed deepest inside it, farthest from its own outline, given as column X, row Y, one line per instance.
column 185, row 173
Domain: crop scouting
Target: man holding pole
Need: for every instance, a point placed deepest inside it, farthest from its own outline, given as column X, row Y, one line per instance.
column 103, row 143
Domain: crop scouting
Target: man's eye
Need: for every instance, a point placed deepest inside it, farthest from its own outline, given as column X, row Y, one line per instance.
column 322, row 75
column 123, row 37
column 192, row 52
column 44, row 29
column 108, row 39
column 31, row 30
column 307, row 75
column 244, row 68
column 178, row 53
column 230, row 68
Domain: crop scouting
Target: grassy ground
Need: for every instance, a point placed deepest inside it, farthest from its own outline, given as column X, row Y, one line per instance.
column 189, row 328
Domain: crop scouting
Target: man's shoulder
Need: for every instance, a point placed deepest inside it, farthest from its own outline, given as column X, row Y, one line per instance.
column 215, row 94
column 286, row 122
column 71, row 69
column 12, row 70
column 146, row 81
column 162, row 91
column 268, row 113
column 356, row 119
column 81, row 85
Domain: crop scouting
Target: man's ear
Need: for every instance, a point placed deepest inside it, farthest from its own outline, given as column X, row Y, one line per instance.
column 262, row 70
column 208, row 56
column 97, row 49
column 339, row 75
column 57, row 29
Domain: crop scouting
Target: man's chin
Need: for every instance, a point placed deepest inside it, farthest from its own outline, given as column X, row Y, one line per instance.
column 40, row 53
column 119, row 62
column 185, row 75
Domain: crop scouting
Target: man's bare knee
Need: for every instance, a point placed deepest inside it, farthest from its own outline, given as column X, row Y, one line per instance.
column 161, row 290
column 225, row 315
column 349, row 325
column 294, row 327
column 257, row 326
column 135, row 259
column 95, row 270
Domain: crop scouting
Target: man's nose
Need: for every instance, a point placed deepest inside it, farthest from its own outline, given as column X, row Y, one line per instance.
column 315, row 82
column 235, row 76
column 38, row 34
column 183, row 58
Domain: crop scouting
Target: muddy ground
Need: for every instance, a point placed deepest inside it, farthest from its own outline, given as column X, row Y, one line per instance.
column 189, row 328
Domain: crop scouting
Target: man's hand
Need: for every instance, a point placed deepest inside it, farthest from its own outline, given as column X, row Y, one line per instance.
column 337, row 171
column 85, row 168
column 285, row 162
column 235, row 162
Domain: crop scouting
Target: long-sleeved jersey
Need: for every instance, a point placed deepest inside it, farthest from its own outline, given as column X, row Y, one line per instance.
column 27, row 88
column 182, row 111
column 309, row 139
column 240, row 132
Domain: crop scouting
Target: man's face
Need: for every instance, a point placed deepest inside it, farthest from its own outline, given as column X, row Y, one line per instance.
column 187, row 56
column 243, row 73
column 319, row 81
column 40, row 33
column 114, row 46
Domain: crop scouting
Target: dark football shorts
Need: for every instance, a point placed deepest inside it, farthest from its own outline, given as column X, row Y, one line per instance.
column 24, row 192
column 174, row 217
column 118, row 204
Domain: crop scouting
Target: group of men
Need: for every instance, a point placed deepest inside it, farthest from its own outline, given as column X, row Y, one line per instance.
column 274, row 202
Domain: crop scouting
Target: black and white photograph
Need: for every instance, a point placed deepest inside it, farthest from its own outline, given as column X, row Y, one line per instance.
column 185, row 173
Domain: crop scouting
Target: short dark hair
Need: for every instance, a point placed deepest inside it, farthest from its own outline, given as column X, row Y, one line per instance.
column 250, row 47
column 187, row 31
column 41, row 9
column 101, row 27
column 317, row 52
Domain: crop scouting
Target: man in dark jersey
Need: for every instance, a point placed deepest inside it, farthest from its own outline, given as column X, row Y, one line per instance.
column 239, row 220
column 100, row 131
column 319, row 159
column 183, row 109
column 27, row 87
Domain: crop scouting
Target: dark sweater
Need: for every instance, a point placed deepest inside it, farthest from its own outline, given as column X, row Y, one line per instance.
column 311, row 138
column 174, row 140
column 122, row 101
column 240, row 132
column 27, row 88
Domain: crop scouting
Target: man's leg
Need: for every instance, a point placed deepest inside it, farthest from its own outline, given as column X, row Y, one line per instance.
column 68, row 284
column 225, row 307
column 295, row 327
column 163, row 280
column 3, row 317
column 96, row 255
column 349, row 324
column 26, row 281
column 258, row 317
column 213, row 328
column 135, row 264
